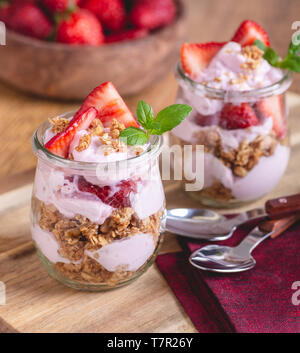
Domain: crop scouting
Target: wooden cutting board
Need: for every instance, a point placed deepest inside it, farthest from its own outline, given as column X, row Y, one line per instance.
column 35, row 302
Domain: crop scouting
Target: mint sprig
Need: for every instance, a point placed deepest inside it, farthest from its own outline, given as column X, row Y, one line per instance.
column 290, row 62
column 164, row 121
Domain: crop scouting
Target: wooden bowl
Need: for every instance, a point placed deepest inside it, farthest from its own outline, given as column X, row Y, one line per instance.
column 68, row 72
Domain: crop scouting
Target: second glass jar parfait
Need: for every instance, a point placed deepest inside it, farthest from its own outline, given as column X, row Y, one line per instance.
column 97, row 225
column 240, row 165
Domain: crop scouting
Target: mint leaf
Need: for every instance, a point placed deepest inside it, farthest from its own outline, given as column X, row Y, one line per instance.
column 170, row 117
column 294, row 49
column 165, row 120
column 144, row 114
column 291, row 63
column 133, row 136
column 260, row 44
column 271, row 56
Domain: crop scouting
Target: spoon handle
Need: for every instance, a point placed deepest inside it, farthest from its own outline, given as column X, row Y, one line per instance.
column 266, row 229
column 278, row 226
column 283, row 206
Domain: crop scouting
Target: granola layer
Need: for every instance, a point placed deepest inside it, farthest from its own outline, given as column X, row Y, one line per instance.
column 240, row 161
column 245, row 157
column 79, row 234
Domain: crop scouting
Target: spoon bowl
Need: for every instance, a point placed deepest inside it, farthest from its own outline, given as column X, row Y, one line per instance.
column 220, row 259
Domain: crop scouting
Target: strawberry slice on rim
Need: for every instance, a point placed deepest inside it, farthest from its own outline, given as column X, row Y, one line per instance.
column 60, row 143
column 110, row 105
column 195, row 57
column 273, row 107
column 248, row 32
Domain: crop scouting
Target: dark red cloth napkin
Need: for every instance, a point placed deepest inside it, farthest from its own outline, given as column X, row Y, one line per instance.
column 258, row 300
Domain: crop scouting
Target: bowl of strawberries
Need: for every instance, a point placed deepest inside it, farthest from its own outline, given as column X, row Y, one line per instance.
column 62, row 48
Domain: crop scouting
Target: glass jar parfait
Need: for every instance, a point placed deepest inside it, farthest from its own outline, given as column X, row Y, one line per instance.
column 240, row 164
column 97, row 226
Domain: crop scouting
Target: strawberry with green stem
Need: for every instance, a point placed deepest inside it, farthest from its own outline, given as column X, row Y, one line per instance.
column 80, row 27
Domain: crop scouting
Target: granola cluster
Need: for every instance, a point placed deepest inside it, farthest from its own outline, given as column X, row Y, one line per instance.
column 79, row 234
column 253, row 57
column 110, row 139
column 58, row 124
column 242, row 159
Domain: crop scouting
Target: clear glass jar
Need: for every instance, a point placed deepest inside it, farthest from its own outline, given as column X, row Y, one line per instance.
column 88, row 244
column 240, row 165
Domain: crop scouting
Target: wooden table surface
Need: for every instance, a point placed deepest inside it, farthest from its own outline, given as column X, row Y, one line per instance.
column 20, row 115
column 207, row 20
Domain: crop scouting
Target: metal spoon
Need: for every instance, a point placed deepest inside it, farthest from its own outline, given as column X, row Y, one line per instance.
column 206, row 224
column 218, row 258
column 210, row 225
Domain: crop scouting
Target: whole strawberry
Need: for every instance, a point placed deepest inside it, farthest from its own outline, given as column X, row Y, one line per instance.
column 151, row 14
column 237, row 116
column 111, row 13
column 80, row 27
column 60, row 5
column 28, row 19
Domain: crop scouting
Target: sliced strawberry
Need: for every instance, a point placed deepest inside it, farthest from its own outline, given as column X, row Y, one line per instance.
column 196, row 57
column 248, row 32
column 106, row 99
column 273, row 107
column 237, row 116
column 119, row 199
column 60, row 143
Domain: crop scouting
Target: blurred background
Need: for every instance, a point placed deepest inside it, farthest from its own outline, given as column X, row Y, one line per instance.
column 153, row 56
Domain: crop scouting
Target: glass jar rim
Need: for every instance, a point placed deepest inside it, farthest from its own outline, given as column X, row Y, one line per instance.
column 152, row 151
column 243, row 94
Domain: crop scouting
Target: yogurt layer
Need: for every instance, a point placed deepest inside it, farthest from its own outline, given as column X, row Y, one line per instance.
column 95, row 153
column 48, row 245
column 149, row 198
column 230, row 139
column 259, row 180
column 224, row 72
column 51, row 187
column 127, row 254
column 227, row 66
